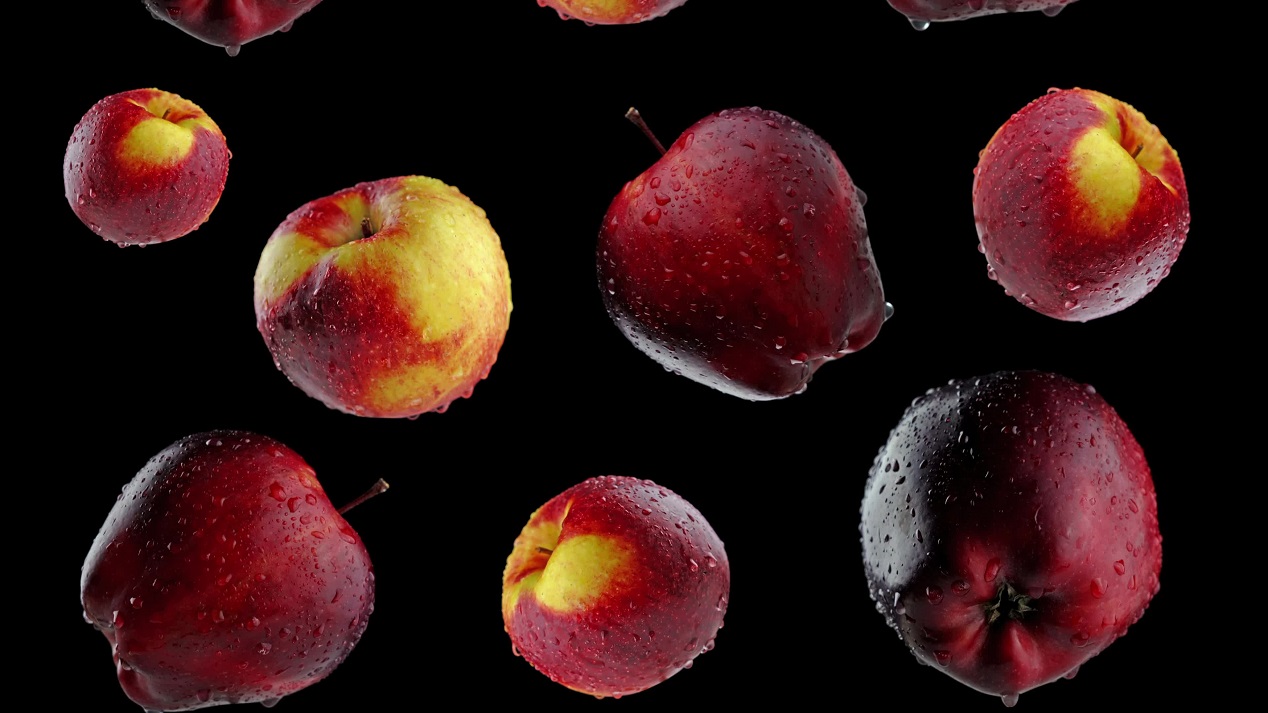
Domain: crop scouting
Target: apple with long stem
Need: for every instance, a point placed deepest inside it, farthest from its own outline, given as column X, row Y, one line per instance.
column 223, row 574
column 741, row 258
column 611, row 12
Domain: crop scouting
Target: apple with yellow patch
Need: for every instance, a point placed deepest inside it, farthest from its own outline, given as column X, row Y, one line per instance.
column 1080, row 205
column 145, row 166
column 611, row 12
column 615, row 585
column 388, row 299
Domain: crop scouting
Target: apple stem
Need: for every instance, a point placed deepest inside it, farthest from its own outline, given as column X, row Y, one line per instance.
column 1139, row 148
column 166, row 112
column 637, row 118
column 366, row 228
column 544, row 550
column 375, row 489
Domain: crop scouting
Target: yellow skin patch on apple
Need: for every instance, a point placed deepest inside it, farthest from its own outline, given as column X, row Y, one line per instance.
column 581, row 570
column 1107, row 178
column 156, row 142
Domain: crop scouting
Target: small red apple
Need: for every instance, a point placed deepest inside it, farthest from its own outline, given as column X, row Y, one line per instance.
column 388, row 299
column 1080, row 205
column 230, row 23
column 611, row 12
column 145, row 166
column 741, row 258
column 223, row 574
column 922, row 12
column 1010, row 529
column 614, row 585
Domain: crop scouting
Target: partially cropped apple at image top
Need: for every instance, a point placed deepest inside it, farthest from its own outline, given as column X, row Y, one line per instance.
column 741, row 258
column 145, row 166
column 1080, row 205
column 388, row 299
column 230, row 23
column 1010, row 531
column 923, row 12
column 223, row 574
column 611, row 12
column 614, row 585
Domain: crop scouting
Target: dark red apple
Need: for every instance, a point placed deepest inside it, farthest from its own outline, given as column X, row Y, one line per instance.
column 741, row 258
column 230, row 23
column 1010, row 529
column 223, row 574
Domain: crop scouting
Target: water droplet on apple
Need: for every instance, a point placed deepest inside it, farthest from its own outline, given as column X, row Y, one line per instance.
column 652, row 217
column 992, row 570
column 889, row 310
column 1098, row 586
column 233, row 50
column 920, row 25
column 1010, row 699
column 1052, row 11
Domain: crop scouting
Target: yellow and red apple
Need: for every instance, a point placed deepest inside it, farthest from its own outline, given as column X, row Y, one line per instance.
column 611, row 12
column 145, row 166
column 388, row 299
column 1080, row 205
column 614, row 585
column 922, row 12
column 230, row 23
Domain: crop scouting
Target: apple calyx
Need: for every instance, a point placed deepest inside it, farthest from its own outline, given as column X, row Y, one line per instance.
column 637, row 119
column 379, row 486
column 1010, row 603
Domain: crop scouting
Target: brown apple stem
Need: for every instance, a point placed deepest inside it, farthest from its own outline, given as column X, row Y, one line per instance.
column 544, row 550
column 1139, row 148
column 366, row 229
column 637, row 118
column 375, row 489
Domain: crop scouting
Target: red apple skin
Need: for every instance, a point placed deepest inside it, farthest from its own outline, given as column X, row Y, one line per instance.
column 611, row 12
column 1072, row 252
column 659, row 609
column 1024, row 488
column 223, row 574
column 943, row 10
column 741, row 258
column 230, row 23
column 145, row 166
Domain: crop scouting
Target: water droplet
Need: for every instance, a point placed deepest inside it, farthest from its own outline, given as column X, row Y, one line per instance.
column 934, row 594
column 992, row 570
column 1098, row 587
column 920, row 25
column 1009, row 699
column 652, row 217
column 943, row 657
column 1120, row 567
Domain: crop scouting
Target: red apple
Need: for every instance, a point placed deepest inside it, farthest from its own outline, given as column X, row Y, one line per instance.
column 388, row 299
column 922, row 12
column 741, row 258
column 611, row 12
column 1080, row 204
column 614, row 585
column 230, row 23
column 223, row 574
column 1010, row 529
column 145, row 166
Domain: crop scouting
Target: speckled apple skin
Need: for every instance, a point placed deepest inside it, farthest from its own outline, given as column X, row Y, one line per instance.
column 223, row 574
column 230, row 23
column 741, row 258
column 130, row 200
column 1026, row 479
column 942, row 10
column 659, row 613
column 1035, row 224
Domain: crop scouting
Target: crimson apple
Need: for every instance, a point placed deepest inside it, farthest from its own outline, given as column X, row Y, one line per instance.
column 741, row 258
column 1080, row 205
column 387, row 299
column 223, row 574
column 614, row 585
column 230, row 23
column 1010, row 529
column 611, row 12
column 922, row 12
column 144, row 166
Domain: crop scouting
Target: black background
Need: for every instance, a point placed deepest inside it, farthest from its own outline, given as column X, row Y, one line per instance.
column 524, row 113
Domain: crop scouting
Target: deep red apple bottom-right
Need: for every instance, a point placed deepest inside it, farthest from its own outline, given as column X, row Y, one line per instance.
column 1010, row 530
column 614, row 585
column 1080, row 205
